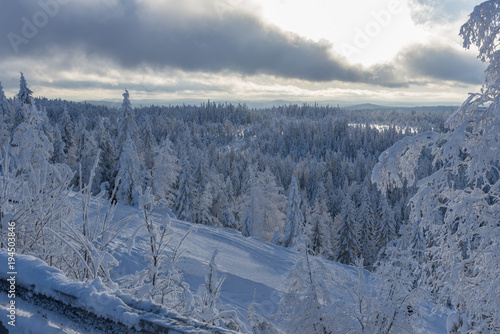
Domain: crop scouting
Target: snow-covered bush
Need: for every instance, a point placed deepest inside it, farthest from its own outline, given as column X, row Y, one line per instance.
column 160, row 279
column 458, row 205
column 306, row 306
column 207, row 305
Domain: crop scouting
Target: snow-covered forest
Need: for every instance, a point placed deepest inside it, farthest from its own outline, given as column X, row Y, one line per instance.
column 406, row 200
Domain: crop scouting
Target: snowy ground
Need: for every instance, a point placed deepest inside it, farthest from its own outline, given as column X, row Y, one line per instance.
column 250, row 266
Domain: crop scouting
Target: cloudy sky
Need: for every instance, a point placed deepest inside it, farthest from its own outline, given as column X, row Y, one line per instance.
column 357, row 51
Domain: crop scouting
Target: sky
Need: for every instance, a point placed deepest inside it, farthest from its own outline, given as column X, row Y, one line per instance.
column 357, row 51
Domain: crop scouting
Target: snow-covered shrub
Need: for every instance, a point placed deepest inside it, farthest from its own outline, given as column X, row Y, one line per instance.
column 457, row 206
column 160, row 279
column 207, row 305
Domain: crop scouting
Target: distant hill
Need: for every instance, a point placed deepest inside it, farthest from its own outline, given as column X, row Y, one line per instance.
column 366, row 106
column 267, row 104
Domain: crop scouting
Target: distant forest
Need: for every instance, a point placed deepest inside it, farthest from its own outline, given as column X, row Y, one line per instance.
column 274, row 173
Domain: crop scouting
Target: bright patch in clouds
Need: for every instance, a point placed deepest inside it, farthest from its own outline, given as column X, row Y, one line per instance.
column 368, row 32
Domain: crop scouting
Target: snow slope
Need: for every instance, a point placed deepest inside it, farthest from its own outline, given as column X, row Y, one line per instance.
column 48, row 302
column 250, row 266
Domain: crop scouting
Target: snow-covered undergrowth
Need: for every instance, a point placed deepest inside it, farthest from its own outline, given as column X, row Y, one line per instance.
column 258, row 277
column 41, row 285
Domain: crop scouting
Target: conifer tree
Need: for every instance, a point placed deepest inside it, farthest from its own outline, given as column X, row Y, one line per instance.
column 5, row 121
column 223, row 203
column 366, row 221
column 184, row 199
column 37, row 151
column 203, row 192
column 4, row 106
column 148, row 147
column 90, row 151
column 24, row 95
column 24, row 102
column 58, row 156
column 67, row 132
column 127, row 128
column 417, row 242
column 386, row 225
column 273, row 204
column 107, row 160
column 129, row 172
column 294, row 228
column 348, row 248
column 165, row 172
column 250, row 206
column 321, row 243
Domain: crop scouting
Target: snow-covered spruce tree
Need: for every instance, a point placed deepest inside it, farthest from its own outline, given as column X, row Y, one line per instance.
column 203, row 192
column 4, row 106
column 149, row 146
column 39, row 203
column 347, row 234
column 108, row 153
column 165, row 172
column 223, row 204
column 184, row 199
column 71, row 150
column 36, row 152
column 321, row 221
column 273, row 207
column 127, row 128
column 457, row 206
column 249, row 207
column 67, row 131
column 88, row 155
column 261, row 207
column 129, row 173
column 24, row 101
column 386, row 224
column 294, row 227
column 5, row 119
column 58, row 155
column 366, row 221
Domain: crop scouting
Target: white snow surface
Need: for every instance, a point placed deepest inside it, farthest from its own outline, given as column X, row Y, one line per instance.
column 251, row 267
column 91, row 296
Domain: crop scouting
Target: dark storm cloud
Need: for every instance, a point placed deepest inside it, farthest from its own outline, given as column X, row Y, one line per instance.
column 194, row 36
column 442, row 63
column 236, row 42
